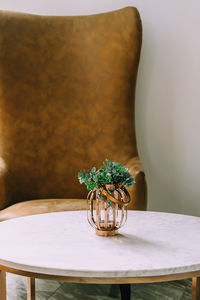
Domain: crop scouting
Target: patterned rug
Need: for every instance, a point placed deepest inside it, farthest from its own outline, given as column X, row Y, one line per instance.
column 52, row 290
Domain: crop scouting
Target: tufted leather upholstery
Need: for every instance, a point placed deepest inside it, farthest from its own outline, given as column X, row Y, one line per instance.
column 67, row 87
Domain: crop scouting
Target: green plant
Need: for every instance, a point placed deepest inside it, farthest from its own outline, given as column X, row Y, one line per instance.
column 108, row 173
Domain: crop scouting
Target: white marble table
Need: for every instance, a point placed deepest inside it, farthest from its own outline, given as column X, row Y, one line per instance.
column 151, row 247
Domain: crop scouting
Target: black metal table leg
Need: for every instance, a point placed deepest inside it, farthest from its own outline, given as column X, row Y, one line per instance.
column 125, row 290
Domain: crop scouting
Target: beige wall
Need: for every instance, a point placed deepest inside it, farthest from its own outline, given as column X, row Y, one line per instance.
column 168, row 93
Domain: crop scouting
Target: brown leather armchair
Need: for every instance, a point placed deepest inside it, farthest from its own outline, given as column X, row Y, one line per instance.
column 67, row 88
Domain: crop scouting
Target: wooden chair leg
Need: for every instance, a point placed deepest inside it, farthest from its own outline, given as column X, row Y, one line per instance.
column 2, row 285
column 30, row 288
column 196, row 288
column 125, row 290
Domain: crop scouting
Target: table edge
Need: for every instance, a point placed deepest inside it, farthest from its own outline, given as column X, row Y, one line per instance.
column 102, row 280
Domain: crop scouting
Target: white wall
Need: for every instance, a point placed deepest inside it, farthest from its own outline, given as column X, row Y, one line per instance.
column 168, row 96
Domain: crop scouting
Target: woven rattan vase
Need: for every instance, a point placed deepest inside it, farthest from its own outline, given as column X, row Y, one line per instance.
column 107, row 208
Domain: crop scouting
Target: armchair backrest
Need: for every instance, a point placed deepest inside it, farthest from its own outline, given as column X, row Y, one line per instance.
column 67, row 87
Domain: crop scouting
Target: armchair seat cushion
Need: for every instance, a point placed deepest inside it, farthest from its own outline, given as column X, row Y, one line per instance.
column 33, row 207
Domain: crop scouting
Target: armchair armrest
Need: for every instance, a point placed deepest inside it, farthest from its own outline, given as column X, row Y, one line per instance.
column 135, row 166
column 138, row 192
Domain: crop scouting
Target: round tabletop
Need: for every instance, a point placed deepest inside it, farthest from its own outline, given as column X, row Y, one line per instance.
column 64, row 244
